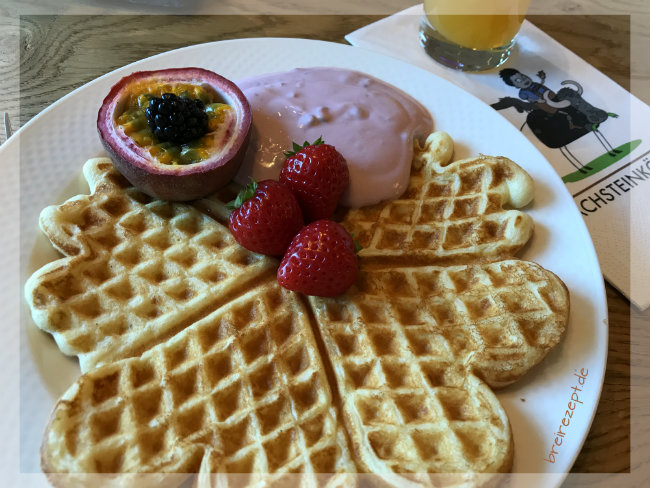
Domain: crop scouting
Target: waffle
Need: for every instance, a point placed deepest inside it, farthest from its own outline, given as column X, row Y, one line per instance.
column 413, row 352
column 136, row 270
column 196, row 361
column 242, row 390
column 451, row 212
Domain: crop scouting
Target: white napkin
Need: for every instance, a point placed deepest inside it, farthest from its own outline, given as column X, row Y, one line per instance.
column 613, row 196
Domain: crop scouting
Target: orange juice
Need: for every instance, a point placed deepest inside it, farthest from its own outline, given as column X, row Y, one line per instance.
column 476, row 24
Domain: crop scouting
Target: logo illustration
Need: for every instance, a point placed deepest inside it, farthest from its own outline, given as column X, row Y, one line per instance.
column 558, row 119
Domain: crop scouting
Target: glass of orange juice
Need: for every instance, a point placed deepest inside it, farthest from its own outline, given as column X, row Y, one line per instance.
column 471, row 35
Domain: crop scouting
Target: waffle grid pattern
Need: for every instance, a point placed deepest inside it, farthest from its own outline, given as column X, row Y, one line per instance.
column 405, row 374
column 246, row 382
column 138, row 268
column 450, row 213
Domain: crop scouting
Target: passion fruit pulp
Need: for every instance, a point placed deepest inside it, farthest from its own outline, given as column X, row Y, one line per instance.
column 168, row 170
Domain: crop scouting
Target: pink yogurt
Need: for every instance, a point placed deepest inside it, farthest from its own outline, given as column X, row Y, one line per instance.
column 371, row 123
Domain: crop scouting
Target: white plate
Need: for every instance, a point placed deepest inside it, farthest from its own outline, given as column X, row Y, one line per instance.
column 54, row 145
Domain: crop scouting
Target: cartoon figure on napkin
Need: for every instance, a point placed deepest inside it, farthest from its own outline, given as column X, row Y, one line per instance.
column 559, row 118
column 529, row 90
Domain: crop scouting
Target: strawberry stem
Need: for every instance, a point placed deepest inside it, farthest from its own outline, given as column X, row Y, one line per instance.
column 297, row 147
column 357, row 246
column 247, row 192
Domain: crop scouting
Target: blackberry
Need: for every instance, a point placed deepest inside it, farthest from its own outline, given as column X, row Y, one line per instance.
column 175, row 119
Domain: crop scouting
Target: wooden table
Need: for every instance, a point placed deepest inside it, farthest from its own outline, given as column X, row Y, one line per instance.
column 58, row 54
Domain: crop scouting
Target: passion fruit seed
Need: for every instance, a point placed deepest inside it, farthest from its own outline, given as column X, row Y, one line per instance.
column 176, row 119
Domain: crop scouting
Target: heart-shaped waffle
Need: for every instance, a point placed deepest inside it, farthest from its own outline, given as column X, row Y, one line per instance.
column 136, row 271
column 241, row 390
column 408, row 346
column 451, row 212
column 195, row 360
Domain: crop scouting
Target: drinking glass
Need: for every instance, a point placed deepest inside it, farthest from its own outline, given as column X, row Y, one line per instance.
column 471, row 35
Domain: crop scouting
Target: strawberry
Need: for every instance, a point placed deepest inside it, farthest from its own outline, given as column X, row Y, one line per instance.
column 265, row 217
column 318, row 175
column 321, row 260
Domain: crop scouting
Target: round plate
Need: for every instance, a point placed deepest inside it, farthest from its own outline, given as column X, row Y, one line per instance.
column 55, row 144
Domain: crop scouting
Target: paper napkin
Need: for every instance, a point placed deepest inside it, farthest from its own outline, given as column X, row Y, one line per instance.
column 599, row 143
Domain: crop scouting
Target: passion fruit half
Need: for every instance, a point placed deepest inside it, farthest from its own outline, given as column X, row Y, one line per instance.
column 167, row 169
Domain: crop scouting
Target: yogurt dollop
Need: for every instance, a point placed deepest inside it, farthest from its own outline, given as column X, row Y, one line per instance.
column 371, row 123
